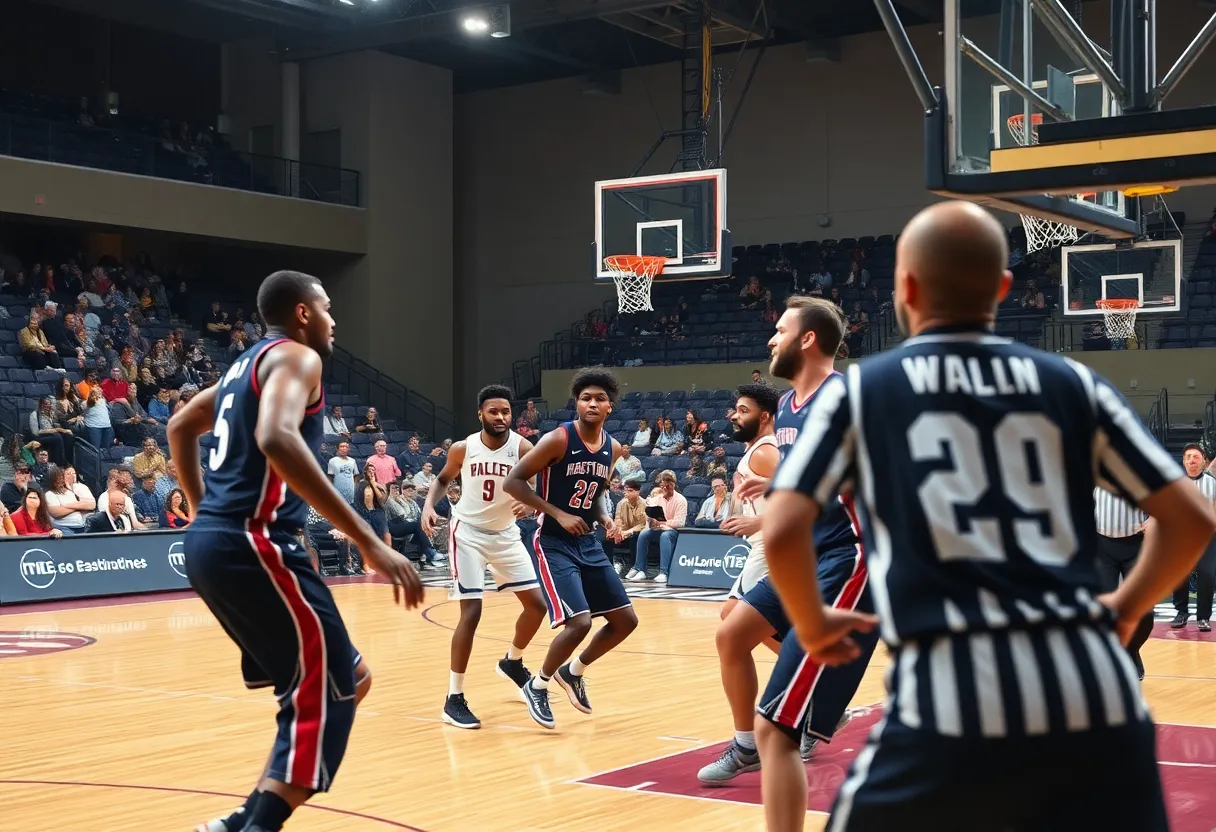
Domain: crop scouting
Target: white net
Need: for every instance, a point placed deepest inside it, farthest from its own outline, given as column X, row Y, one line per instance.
column 1120, row 319
column 633, row 275
column 1040, row 232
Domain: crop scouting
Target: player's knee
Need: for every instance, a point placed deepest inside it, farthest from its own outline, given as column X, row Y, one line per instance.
column 727, row 607
column 470, row 613
column 580, row 624
column 770, row 737
column 534, row 603
column 626, row 620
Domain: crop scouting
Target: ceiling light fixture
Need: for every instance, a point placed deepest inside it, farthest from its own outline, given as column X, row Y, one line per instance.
column 475, row 24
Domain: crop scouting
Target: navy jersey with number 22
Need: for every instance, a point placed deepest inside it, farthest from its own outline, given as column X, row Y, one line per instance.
column 576, row 481
column 240, row 485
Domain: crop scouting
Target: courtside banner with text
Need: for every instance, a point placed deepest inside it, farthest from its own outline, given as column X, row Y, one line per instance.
column 707, row 559
column 42, row 569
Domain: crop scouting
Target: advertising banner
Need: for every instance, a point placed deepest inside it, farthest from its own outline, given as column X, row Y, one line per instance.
column 83, row 566
column 707, row 559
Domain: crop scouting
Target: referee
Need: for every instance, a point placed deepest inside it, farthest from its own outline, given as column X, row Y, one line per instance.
column 1194, row 460
column 1120, row 536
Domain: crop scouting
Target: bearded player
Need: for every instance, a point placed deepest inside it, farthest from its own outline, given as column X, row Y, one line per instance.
column 743, row 626
column 483, row 532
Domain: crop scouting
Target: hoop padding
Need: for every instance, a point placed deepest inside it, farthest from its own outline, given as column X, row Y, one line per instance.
column 1120, row 316
column 1040, row 232
column 633, row 275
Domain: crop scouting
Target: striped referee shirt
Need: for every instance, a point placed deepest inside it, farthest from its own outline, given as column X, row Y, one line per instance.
column 1116, row 517
column 1207, row 485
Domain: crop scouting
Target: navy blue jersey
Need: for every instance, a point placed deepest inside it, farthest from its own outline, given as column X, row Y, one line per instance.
column 576, row 481
column 240, row 487
column 836, row 528
column 974, row 461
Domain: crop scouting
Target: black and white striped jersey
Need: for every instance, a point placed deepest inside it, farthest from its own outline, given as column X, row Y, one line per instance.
column 1115, row 516
column 1206, row 483
column 973, row 461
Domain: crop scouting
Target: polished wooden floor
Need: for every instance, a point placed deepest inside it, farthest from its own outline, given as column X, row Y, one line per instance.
column 149, row 728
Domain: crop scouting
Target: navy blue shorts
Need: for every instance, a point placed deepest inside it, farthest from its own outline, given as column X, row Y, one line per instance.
column 916, row 780
column 576, row 577
column 802, row 695
column 270, row 601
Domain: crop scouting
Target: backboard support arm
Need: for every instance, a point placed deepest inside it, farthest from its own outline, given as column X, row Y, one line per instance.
column 1186, row 60
column 1065, row 28
column 986, row 62
column 907, row 54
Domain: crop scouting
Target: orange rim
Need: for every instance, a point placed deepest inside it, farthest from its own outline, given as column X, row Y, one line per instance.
column 1117, row 304
column 640, row 264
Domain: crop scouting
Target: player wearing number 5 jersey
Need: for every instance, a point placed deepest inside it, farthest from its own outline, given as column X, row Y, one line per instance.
column 577, row 579
column 483, row 532
column 973, row 462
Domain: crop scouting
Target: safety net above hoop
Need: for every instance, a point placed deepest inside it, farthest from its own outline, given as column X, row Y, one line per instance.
column 633, row 275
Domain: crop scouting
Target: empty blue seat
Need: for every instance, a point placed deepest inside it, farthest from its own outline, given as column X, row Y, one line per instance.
column 695, row 491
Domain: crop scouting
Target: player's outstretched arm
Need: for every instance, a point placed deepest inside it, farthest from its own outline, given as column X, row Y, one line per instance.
column 1182, row 526
column 292, row 374
column 548, row 450
column 451, row 470
column 185, row 427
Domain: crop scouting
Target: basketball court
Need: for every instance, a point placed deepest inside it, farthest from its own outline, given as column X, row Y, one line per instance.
column 132, row 709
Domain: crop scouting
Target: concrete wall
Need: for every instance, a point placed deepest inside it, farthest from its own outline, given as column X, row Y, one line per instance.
column 841, row 139
column 98, row 197
column 394, row 306
column 252, row 91
column 1189, row 375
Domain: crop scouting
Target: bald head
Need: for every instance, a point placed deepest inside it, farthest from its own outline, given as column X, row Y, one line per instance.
column 957, row 254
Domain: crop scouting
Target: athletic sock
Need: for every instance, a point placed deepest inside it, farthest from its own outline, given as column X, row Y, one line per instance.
column 270, row 812
column 746, row 739
column 577, row 667
column 540, row 681
column 237, row 820
column 455, row 683
column 514, row 653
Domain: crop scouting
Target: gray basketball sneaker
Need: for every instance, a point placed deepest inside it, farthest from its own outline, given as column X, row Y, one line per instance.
column 809, row 744
column 735, row 760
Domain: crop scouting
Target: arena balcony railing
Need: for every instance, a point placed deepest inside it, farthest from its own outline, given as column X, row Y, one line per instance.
column 411, row 409
column 95, row 147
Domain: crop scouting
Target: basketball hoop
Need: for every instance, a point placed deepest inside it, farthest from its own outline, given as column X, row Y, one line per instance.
column 1040, row 232
column 1120, row 315
column 633, row 275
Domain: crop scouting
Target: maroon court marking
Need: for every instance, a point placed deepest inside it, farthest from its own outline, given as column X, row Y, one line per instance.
column 207, row 793
column 16, row 644
column 1162, row 631
column 1187, row 754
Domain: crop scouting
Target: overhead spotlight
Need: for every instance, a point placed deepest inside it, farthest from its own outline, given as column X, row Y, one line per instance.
column 347, row 2
column 475, row 23
column 500, row 21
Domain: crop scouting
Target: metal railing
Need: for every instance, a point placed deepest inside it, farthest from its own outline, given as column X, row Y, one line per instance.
column 390, row 397
column 1209, row 427
column 95, row 147
column 1159, row 417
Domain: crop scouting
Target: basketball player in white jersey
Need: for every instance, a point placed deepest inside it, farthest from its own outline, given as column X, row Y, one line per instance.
column 744, row 627
column 482, row 532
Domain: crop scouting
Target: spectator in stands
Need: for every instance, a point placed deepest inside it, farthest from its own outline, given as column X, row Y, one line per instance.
column 165, row 366
column 12, row 493
column 412, row 458
column 528, row 423
column 97, row 426
column 54, row 328
column 17, row 285
column 386, row 467
column 404, row 518
column 237, row 345
column 112, row 514
column 821, row 278
column 424, row 478
column 115, row 387
column 670, row 441
column 697, row 437
column 83, row 117
column 35, row 350
column 69, row 412
column 1032, row 299
column 71, row 343
column 168, row 482
column 217, row 324
column 148, row 508
column 834, row 296
column 150, row 462
column 138, row 343
column 128, row 366
column 342, row 470
column 253, row 328
column 32, row 518
column 370, row 496
column 131, row 423
column 629, row 467
column 117, row 493
column 90, row 382
column 41, row 468
column 641, row 439
column 146, row 386
column 715, row 509
column 158, row 407
column 68, row 501
column 675, row 511
column 177, row 510
column 717, row 465
column 631, row 518
column 47, row 429
column 696, row 466
column 752, row 294
column 858, row 278
column 335, row 425
column 370, row 423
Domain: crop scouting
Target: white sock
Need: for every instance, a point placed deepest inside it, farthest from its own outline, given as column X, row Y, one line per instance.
column 577, row 667
column 515, row 653
column 455, row 683
column 747, row 739
column 540, row 681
